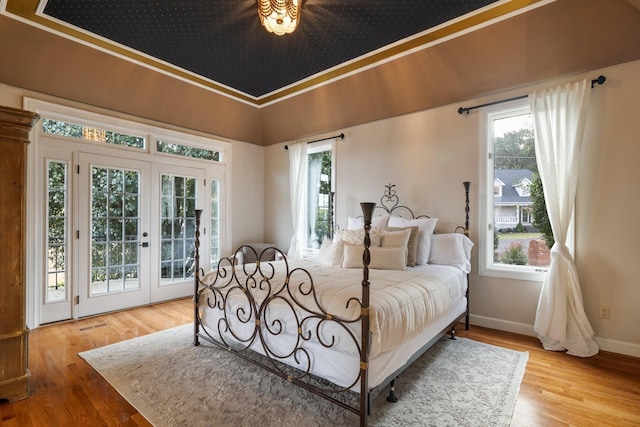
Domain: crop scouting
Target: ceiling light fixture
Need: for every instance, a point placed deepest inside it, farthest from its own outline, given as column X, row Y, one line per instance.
column 279, row 16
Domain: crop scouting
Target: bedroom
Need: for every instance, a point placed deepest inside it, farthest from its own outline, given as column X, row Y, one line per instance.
column 433, row 150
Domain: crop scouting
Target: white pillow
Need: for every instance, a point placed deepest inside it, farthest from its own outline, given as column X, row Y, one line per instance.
column 391, row 239
column 451, row 249
column 412, row 245
column 426, row 226
column 393, row 258
column 331, row 253
column 357, row 223
column 394, row 239
column 356, row 237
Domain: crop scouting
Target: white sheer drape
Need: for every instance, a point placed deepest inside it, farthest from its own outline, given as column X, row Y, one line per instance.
column 559, row 117
column 298, row 188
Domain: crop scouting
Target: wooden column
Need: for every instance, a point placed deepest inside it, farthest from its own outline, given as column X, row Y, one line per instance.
column 15, row 125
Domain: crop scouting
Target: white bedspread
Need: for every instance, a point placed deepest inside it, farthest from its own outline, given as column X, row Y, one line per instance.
column 402, row 303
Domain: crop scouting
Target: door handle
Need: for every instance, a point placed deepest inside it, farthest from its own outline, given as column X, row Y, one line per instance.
column 144, row 244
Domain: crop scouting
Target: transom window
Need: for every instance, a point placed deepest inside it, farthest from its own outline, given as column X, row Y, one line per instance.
column 187, row 151
column 88, row 133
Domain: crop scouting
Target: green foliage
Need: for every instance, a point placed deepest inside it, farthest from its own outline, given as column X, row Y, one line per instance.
column 73, row 130
column 323, row 215
column 516, row 150
column 496, row 239
column 539, row 211
column 514, row 254
column 55, row 127
column 186, row 151
column 56, row 184
column 520, row 228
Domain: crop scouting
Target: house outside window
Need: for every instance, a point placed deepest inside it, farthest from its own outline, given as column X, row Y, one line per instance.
column 512, row 246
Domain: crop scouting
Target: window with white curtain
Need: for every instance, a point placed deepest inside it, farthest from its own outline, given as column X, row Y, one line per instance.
column 512, row 243
column 320, row 161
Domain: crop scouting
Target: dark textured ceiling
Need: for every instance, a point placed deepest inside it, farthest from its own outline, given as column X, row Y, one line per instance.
column 220, row 43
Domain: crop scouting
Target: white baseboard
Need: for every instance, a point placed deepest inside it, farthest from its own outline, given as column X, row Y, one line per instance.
column 620, row 347
column 613, row 346
column 502, row 325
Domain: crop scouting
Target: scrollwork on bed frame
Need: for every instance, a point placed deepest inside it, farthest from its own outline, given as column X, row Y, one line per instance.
column 243, row 295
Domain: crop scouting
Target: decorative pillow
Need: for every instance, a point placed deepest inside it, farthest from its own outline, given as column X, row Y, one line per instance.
column 451, row 249
column 393, row 258
column 426, row 226
column 357, row 223
column 249, row 256
column 331, row 253
column 356, row 237
column 412, row 245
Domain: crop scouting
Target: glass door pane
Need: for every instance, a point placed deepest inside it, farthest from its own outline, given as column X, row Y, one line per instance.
column 57, row 231
column 177, row 218
column 214, row 226
column 53, row 271
column 177, row 193
column 115, row 218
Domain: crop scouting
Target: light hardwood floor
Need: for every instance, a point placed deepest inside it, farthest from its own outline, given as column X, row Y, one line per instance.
column 557, row 389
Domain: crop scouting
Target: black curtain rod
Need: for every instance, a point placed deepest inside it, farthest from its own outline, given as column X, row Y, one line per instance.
column 600, row 80
column 341, row 136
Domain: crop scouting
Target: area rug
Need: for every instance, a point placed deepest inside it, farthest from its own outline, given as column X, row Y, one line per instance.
column 172, row 383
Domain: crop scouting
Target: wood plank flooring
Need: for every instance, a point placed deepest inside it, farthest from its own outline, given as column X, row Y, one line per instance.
column 557, row 389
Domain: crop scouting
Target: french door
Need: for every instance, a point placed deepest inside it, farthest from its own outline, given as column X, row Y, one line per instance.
column 176, row 192
column 111, row 212
column 124, row 238
column 114, row 234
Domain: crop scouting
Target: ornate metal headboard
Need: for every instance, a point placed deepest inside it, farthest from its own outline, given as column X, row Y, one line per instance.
column 390, row 203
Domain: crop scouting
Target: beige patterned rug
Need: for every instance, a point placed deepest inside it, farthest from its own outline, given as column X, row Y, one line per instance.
column 173, row 383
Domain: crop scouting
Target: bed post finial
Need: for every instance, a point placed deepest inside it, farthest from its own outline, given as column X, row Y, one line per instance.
column 367, row 212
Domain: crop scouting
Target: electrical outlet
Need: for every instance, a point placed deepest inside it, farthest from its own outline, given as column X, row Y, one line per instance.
column 604, row 312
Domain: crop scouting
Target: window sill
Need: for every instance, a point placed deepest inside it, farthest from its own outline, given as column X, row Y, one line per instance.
column 517, row 273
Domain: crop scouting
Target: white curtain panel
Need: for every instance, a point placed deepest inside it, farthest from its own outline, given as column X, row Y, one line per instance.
column 298, row 188
column 559, row 117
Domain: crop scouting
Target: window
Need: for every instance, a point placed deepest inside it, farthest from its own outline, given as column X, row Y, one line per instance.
column 88, row 133
column 319, row 194
column 187, row 151
column 57, row 231
column 513, row 245
column 214, row 226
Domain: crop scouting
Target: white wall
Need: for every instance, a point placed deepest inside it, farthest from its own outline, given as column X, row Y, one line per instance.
column 430, row 153
column 247, row 196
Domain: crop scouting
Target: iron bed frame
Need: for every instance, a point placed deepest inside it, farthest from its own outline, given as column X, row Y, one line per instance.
column 310, row 317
